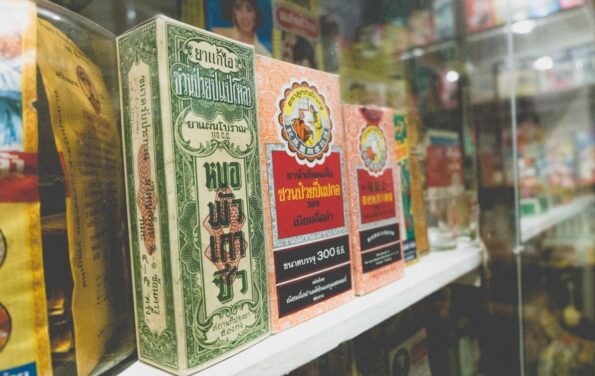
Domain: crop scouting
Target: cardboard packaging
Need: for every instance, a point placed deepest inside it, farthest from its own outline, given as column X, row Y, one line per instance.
column 411, row 356
column 194, row 195
column 417, row 175
column 480, row 15
column 401, row 146
column 374, row 184
column 444, row 19
column 296, row 32
column 248, row 21
column 305, row 207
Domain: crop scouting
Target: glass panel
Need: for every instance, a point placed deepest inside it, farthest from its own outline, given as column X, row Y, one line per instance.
column 495, row 101
column 553, row 62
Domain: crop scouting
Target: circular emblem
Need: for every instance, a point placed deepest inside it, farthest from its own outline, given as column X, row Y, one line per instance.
column 3, row 248
column 305, row 122
column 401, row 363
column 5, row 327
column 373, row 149
column 88, row 88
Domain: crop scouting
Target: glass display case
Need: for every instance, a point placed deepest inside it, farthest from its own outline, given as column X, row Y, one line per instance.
column 314, row 187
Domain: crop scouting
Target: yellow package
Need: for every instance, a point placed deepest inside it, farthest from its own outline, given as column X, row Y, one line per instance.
column 24, row 343
column 86, row 135
column 65, row 301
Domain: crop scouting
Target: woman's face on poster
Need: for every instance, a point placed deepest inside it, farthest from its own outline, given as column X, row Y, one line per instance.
column 244, row 16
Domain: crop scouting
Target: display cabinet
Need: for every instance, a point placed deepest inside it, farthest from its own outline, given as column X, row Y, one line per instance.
column 445, row 153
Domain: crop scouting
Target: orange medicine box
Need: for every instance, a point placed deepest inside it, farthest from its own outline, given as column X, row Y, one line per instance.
column 374, row 197
column 302, row 151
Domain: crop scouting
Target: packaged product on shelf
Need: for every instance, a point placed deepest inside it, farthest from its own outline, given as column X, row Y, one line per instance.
column 584, row 59
column 247, row 21
column 418, row 205
column 410, row 357
column 542, row 8
column 445, row 185
column 565, row 4
column 420, row 25
column 61, row 217
column 193, row 12
column 305, row 203
column 585, row 156
column 444, row 19
column 480, row 15
column 527, row 79
column 296, row 32
column 375, row 50
column 563, row 75
column 482, row 84
column 418, row 184
column 194, row 194
column 401, row 147
column 374, row 192
column 24, row 341
column 560, row 175
column 519, row 10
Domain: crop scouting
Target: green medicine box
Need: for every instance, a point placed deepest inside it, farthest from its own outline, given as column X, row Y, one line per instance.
column 194, row 194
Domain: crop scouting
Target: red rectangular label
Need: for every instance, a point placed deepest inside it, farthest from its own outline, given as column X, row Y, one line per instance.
column 18, row 177
column 445, row 165
column 376, row 196
column 307, row 199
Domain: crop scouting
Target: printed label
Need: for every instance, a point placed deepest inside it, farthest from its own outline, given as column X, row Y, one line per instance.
column 409, row 249
column 445, row 165
column 227, row 269
column 295, row 262
column 377, row 199
column 377, row 258
column 380, row 246
column 305, row 123
column 297, row 22
column 379, row 236
column 307, row 200
column 26, row 370
column 308, row 205
column 147, row 205
column 373, row 149
column 310, row 290
column 218, row 193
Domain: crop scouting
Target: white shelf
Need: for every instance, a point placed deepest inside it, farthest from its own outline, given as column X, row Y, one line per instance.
column 535, row 225
column 283, row 352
